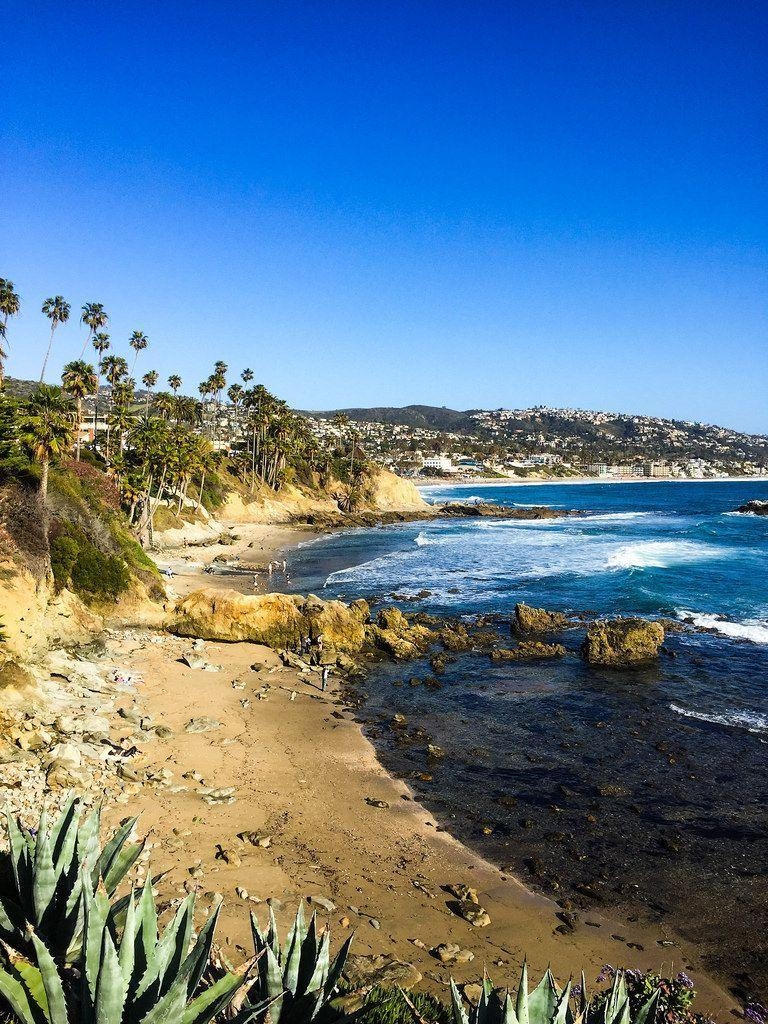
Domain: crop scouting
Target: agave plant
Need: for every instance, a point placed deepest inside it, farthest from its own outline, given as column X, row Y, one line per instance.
column 295, row 980
column 548, row 1004
column 48, row 872
column 141, row 978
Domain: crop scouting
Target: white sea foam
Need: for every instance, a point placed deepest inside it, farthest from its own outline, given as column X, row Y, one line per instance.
column 423, row 540
column 755, row 630
column 752, row 721
column 609, row 517
column 754, row 515
column 659, row 554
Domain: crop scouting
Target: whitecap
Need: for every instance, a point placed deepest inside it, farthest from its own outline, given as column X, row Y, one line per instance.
column 423, row 540
column 752, row 721
column 659, row 554
column 755, row 630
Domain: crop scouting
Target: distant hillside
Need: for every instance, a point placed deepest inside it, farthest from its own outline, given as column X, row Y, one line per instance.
column 426, row 417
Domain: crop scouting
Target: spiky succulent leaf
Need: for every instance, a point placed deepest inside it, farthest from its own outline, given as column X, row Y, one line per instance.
column 56, row 1004
column 15, row 991
column 460, row 1015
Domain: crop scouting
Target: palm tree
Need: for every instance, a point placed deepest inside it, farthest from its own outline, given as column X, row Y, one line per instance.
column 246, row 376
column 174, row 382
column 45, row 429
column 101, row 344
column 138, row 342
column 57, row 311
column 149, row 380
column 79, row 379
column 10, row 304
column 114, row 369
column 94, row 318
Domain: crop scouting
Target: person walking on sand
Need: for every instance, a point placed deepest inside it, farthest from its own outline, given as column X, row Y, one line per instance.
column 255, row 581
column 285, row 565
column 270, row 568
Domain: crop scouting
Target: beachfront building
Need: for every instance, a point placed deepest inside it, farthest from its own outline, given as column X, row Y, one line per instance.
column 439, row 464
column 656, row 469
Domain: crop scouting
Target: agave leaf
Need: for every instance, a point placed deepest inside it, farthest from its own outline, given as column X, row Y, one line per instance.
column 292, row 957
column 274, row 985
column 273, row 939
column 52, row 984
column 216, row 998
column 521, row 1003
column 172, row 948
column 21, row 847
column 88, row 844
column 616, row 999
column 336, row 968
column 508, row 1010
column 457, row 1006
column 18, row 996
column 127, row 951
column 648, row 1011
column 563, row 1013
column 197, row 960
column 44, row 880
column 542, row 1002
column 64, row 835
column 119, row 856
column 96, row 912
column 111, row 988
column 320, row 974
column 309, row 951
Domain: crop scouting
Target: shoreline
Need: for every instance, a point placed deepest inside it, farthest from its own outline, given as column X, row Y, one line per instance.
column 577, row 481
column 304, row 775
column 519, row 909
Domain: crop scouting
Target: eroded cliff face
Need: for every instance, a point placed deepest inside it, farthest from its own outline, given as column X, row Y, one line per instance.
column 385, row 492
column 34, row 619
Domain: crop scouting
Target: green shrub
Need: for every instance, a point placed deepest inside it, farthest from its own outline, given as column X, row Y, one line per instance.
column 77, row 562
column 387, row 1006
column 64, row 552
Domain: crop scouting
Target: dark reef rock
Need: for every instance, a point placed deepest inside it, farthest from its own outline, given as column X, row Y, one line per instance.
column 623, row 643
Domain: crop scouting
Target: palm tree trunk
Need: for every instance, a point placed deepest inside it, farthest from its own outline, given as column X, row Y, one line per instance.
column 79, row 421
column 48, row 352
column 43, row 492
column 200, row 492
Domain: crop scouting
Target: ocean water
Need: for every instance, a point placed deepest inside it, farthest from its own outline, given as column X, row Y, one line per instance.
column 643, row 792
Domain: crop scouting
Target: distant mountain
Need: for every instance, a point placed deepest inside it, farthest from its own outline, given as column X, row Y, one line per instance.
column 426, row 417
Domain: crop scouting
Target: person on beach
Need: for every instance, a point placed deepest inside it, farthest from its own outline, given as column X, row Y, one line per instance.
column 285, row 565
column 326, row 671
column 255, row 581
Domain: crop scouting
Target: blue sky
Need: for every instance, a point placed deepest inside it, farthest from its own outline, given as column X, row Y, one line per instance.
column 465, row 204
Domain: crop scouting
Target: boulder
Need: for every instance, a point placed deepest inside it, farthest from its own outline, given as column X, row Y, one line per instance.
column 392, row 619
column 279, row 621
column 528, row 650
column 455, row 638
column 755, row 508
column 538, row 620
column 623, row 643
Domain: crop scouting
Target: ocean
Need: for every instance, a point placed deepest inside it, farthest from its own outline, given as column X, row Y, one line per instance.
column 643, row 793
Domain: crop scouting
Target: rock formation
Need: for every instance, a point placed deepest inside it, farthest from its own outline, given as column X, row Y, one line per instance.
column 623, row 643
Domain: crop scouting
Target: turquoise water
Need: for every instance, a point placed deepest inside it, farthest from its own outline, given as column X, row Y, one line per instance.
column 643, row 790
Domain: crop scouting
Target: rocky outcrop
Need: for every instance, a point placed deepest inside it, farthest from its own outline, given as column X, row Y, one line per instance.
column 537, row 620
column 754, row 508
column 623, row 643
column 276, row 620
column 394, row 635
column 485, row 510
column 528, row 650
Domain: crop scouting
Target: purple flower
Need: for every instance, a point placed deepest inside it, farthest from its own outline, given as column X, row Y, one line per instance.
column 684, row 980
column 605, row 973
column 756, row 1013
column 576, row 991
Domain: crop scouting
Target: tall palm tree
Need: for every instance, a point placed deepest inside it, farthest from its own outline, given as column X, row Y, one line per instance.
column 138, row 342
column 149, row 380
column 174, row 382
column 101, row 344
column 57, row 310
column 247, row 375
column 94, row 318
column 114, row 369
column 46, row 427
column 10, row 304
column 79, row 380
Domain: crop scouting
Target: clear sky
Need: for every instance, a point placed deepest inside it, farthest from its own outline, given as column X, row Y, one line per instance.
column 472, row 204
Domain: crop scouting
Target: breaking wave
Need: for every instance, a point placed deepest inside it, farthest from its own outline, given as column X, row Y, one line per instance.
column 755, row 630
column 659, row 554
column 752, row 721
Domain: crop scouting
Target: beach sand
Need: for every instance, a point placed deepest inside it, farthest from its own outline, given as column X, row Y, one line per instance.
column 303, row 774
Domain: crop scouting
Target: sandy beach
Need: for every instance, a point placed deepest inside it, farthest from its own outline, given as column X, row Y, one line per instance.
column 339, row 828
